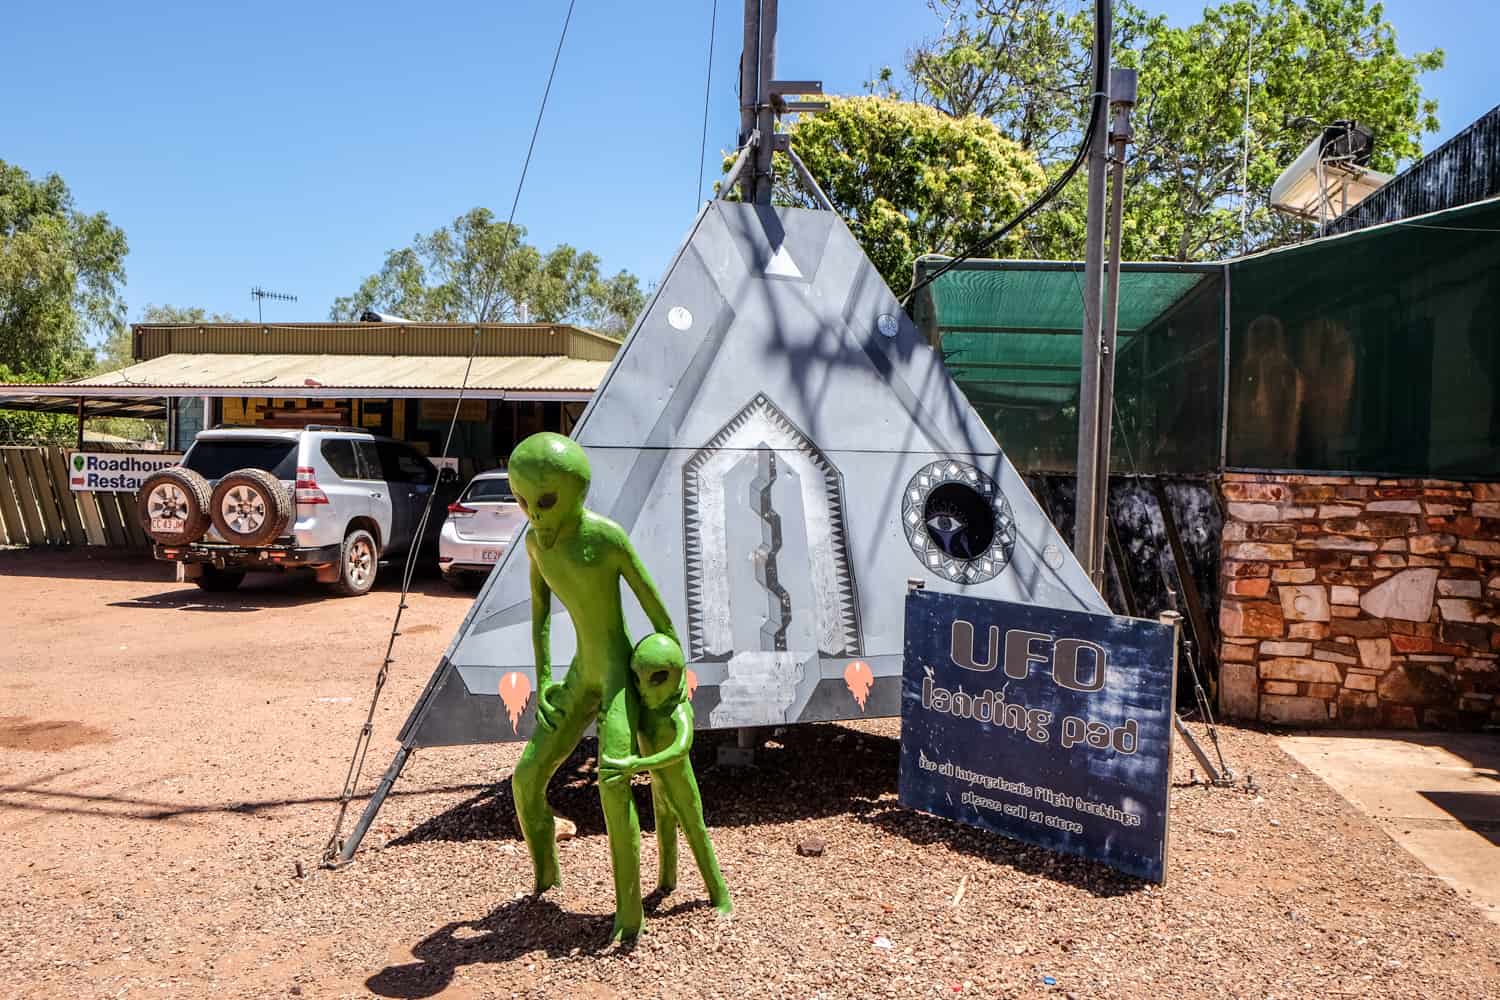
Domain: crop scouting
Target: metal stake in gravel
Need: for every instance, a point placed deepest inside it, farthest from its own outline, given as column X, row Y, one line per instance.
column 333, row 852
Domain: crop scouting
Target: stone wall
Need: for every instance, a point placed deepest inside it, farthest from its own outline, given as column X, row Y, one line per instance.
column 1360, row 602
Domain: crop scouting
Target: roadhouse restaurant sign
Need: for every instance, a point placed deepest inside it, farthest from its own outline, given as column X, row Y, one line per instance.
column 1051, row 727
column 115, row 471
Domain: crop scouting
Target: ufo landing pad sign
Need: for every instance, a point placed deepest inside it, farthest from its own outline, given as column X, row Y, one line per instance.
column 786, row 452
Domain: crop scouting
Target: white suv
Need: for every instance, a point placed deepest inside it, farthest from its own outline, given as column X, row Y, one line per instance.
column 334, row 499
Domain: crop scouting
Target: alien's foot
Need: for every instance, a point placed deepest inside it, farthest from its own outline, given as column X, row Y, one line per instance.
column 666, row 886
column 624, row 932
column 548, row 876
column 724, row 906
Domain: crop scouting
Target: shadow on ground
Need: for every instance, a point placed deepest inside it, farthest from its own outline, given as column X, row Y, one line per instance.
column 513, row 930
column 82, row 564
column 278, row 590
column 808, row 772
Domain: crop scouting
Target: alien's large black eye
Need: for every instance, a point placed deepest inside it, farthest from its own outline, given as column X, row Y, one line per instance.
column 547, row 501
column 522, row 501
column 659, row 677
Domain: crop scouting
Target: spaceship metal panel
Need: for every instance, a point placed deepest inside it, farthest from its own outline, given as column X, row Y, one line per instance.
column 785, row 452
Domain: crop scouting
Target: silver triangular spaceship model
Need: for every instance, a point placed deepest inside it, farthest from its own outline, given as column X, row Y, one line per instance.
column 786, row 452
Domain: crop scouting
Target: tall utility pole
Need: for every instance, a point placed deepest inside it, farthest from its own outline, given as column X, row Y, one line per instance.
column 1088, row 499
column 757, row 116
column 1121, row 100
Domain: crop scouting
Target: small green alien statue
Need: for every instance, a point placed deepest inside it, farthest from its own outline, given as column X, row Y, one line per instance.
column 665, row 734
column 582, row 557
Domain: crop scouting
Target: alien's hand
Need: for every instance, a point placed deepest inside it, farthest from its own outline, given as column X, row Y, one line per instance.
column 548, row 713
column 612, row 769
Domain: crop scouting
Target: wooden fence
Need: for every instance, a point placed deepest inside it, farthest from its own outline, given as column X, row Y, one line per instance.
column 38, row 508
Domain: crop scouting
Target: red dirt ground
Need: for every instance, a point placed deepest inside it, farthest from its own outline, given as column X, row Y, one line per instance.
column 169, row 756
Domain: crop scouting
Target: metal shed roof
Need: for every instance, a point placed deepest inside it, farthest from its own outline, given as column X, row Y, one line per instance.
column 319, row 376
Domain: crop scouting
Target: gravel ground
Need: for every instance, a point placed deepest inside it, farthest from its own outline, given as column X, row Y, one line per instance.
column 170, row 757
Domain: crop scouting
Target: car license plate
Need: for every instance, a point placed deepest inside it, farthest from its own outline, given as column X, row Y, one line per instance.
column 165, row 524
column 490, row 555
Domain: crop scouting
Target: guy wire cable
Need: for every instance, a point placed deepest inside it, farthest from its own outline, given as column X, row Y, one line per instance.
column 708, row 79
column 362, row 741
column 1103, row 30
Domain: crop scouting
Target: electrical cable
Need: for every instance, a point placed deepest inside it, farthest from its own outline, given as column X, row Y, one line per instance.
column 362, row 742
column 708, row 79
column 1103, row 20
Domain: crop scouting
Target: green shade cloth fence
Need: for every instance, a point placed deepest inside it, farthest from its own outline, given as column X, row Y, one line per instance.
column 1373, row 352
column 1010, row 334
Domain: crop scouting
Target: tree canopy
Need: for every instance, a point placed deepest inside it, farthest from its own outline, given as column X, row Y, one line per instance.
column 908, row 178
column 479, row 269
column 1301, row 63
column 60, row 277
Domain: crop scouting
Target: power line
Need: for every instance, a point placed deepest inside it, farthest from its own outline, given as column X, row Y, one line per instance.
column 713, row 24
column 332, row 850
column 1100, row 109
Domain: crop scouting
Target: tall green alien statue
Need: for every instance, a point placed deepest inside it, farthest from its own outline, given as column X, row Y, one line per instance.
column 581, row 557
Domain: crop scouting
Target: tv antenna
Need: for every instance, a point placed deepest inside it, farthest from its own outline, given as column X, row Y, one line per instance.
column 260, row 294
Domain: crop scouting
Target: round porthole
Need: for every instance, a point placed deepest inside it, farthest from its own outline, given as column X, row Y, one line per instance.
column 958, row 523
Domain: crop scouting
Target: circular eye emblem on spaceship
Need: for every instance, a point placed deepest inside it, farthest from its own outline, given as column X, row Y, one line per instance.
column 958, row 523
column 959, row 520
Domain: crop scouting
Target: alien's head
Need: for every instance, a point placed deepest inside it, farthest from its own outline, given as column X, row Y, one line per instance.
column 658, row 666
column 549, row 475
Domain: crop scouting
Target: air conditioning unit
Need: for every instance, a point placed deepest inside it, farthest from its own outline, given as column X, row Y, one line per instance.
column 371, row 316
column 1329, row 177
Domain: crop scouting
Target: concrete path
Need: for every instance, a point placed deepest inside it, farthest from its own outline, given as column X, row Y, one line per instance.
column 1436, row 794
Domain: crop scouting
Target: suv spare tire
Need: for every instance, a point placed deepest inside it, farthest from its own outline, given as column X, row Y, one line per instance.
column 250, row 507
column 173, row 506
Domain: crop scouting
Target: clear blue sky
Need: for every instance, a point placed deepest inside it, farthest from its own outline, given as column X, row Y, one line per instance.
column 291, row 145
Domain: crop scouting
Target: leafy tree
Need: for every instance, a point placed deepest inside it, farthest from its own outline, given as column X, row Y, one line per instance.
column 614, row 304
column 60, row 272
column 1301, row 61
column 1023, row 64
column 907, row 178
column 479, row 269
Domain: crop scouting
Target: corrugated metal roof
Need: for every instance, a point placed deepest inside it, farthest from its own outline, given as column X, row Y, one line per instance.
column 331, row 375
column 153, row 340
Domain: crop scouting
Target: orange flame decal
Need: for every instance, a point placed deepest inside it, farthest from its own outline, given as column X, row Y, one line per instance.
column 692, row 684
column 859, row 679
column 515, row 692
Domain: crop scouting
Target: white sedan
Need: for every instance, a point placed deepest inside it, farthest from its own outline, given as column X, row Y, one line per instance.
column 479, row 528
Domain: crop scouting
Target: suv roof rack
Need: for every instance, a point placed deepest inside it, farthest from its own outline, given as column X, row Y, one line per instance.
column 305, row 427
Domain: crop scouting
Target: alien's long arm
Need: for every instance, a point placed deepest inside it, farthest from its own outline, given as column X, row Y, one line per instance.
column 645, row 591
column 541, row 644
column 541, row 626
column 682, row 742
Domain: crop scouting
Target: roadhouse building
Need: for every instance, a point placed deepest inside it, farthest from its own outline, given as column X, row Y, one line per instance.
column 400, row 380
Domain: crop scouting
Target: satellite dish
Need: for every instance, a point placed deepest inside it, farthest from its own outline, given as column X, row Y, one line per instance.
column 1329, row 177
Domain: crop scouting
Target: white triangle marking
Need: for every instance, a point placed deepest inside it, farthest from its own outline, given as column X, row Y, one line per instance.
column 781, row 265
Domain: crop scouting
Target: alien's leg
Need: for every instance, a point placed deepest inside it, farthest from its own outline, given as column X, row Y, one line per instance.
column 680, row 789
column 544, row 753
column 617, row 723
column 666, row 839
